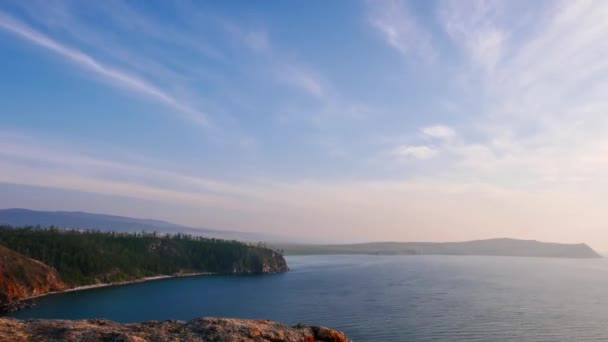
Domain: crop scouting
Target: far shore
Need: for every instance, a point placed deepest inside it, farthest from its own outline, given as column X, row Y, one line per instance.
column 120, row 283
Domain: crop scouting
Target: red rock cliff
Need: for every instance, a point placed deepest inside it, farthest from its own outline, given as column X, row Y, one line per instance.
column 22, row 277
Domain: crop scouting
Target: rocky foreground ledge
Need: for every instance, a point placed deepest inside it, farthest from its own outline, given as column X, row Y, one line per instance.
column 202, row 329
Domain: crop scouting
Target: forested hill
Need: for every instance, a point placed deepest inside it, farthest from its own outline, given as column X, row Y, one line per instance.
column 90, row 257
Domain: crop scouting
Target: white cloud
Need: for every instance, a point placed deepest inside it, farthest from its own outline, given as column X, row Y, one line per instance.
column 439, row 132
column 542, row 95
column 474, row 28
column 285, row 71
column 115, row 76
column 421, row 152
column 303, row 79
column 400, row 29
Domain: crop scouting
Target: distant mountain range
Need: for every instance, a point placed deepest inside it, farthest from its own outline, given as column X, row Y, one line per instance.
column 83, row 220
column 101, row 222
column 491, row 247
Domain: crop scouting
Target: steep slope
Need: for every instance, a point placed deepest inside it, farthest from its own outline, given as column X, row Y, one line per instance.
column 491, row 247
column 22, row 277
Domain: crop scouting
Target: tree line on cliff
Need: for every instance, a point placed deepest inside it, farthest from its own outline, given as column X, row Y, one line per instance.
column 88, row 257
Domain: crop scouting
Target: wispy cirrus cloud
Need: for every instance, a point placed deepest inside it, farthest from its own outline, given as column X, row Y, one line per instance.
column 44, row 162
column 540, row 90
column 544, row 103
column 546, row 81
column 474, row 27
column 286, row 71
column 401, row 30
column 116, row 77
column 303, row 79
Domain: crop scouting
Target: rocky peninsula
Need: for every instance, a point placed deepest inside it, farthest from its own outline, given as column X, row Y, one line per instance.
column 202, row 329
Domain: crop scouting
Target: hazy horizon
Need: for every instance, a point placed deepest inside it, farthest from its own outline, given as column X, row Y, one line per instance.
column 345, row 121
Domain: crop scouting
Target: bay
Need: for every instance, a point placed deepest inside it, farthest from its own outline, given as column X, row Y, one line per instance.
column 377, row 298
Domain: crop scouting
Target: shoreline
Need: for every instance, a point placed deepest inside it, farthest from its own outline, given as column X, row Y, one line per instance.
column 120, row 283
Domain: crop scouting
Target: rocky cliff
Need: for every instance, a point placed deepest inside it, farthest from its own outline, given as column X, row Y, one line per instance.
column 263, row 261
column 22, row 277
column 203, row 329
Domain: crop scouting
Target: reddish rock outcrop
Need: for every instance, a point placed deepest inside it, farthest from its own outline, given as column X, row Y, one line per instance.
column 22, row 277
column 202, row 329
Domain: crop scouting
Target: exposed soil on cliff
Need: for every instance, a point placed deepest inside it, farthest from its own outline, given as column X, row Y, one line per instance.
column 22, row 277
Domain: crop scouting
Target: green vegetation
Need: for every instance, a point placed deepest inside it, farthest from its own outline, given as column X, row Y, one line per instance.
column 88, row 257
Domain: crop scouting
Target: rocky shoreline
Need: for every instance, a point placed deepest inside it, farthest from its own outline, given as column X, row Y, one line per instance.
column 202, row 329
column 13, row 305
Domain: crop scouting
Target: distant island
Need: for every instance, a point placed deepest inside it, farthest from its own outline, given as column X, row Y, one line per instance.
column 490, row 247
column 36, row 261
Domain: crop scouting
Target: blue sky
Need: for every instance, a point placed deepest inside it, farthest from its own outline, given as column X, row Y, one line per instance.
column 354, row 121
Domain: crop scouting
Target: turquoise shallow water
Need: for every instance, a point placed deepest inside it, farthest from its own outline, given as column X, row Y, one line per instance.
column 378, row 298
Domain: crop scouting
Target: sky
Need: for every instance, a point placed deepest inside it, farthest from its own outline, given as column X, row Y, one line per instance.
column 329, row 121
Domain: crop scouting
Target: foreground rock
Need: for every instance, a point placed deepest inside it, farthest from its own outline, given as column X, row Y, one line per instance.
column 202, row 329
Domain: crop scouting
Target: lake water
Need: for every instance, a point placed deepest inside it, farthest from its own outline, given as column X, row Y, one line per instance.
column 378, row 298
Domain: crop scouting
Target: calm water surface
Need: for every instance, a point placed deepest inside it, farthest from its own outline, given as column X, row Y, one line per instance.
column 378, row 298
